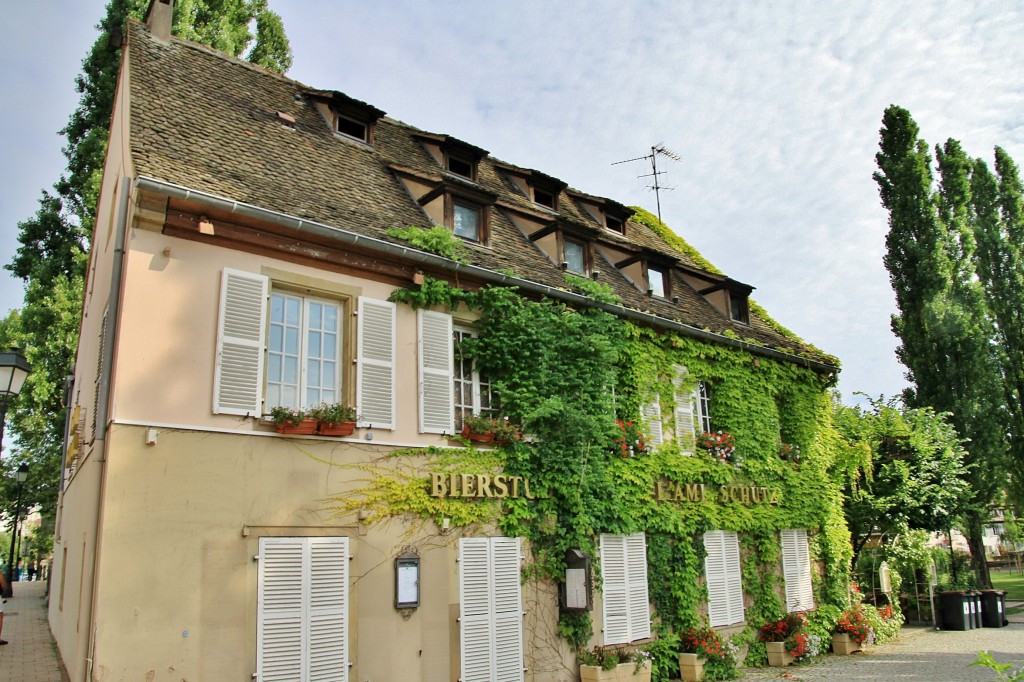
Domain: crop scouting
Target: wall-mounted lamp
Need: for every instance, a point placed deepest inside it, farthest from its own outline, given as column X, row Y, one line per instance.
column 407, row 581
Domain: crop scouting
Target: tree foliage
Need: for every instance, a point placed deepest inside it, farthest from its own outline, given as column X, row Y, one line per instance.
column 51, row 257
column 914, row 475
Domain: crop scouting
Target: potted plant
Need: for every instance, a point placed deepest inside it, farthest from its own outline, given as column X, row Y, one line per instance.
column 784, row 636
column 614, row 664
column 852, row 632
column 700, row 647
column 721, row 446
column 291, row 420
column 334, row 419
column 630, row 441
column 789, row 452
column 480, row 428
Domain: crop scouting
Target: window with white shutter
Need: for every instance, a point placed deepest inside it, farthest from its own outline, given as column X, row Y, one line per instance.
column 375, row 374
column 302, row 610
column 702, row 400
column 471, row 388
column 652, row 419
column 626, row 611
column 723, row 577
column 435, row 379
column 796, row 569
column 303, row 351
column 686, row 421
column 238, row 369
column 491, row 618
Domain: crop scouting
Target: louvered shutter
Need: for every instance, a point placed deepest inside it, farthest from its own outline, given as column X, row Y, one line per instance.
column 375, row 374
column 796, row 569
column 490, row 622
column 238, row 369
column 723, row 577
column 302, row 610
column 685, row 412
column 652, row 417
column 437, row 412
column 639, row 602
column 615, row 592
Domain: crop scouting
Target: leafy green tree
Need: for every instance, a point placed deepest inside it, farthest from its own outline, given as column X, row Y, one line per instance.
column 946, row 335
column 51, row 258
column 915, row 477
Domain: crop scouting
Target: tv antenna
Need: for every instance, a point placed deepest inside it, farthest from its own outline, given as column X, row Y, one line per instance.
column 658, row 149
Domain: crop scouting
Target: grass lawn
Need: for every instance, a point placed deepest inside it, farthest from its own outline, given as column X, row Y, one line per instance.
column 1011, row 581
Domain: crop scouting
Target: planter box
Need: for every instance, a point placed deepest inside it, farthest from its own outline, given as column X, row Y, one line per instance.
column 306, row 427
column 477, row 437
column 844, row 644
column 624, row 672
column 778, row 657
column 336, row 429
column 691, row 667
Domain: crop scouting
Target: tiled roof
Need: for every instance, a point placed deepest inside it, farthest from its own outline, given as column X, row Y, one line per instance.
column 209, row 122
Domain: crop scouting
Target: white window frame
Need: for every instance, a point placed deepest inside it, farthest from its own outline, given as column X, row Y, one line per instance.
column 796, row 569
column 327, row 395
column 626, row 612
column 723, row 577
column 302, row 609
column 491, row 610
column 478, row 385
column 702, row 400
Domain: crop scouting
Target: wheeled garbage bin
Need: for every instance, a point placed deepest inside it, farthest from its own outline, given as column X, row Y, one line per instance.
column 976, row 608
column 993, row 608
column 956, row 610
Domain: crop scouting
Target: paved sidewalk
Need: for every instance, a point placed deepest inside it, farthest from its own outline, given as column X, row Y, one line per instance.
column 919, row 655
column 30, row 655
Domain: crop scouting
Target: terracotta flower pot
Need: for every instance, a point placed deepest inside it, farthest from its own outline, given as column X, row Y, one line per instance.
column 478, row 437
column 306, row 427
column 691, row 667
column 844, row 644
column 778, row 657
column 336, row 428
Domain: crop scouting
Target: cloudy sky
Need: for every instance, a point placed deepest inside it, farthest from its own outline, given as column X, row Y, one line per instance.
column 773, row 109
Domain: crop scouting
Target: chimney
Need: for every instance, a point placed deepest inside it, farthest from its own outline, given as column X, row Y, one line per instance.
column 159, row 19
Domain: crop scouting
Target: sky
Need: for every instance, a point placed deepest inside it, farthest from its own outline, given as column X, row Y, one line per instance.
column 771, row 108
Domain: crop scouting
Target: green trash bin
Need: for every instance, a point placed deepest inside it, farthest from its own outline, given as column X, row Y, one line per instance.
column 993, row 609
column 955, row 608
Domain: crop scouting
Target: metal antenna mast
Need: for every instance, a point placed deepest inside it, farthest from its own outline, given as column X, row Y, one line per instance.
column 653, row 156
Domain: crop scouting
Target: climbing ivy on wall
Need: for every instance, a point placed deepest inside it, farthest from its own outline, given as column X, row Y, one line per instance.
column 565, row 375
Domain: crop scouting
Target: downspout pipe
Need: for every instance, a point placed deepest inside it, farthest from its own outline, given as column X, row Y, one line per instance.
column 433, row 261
column 103, row 401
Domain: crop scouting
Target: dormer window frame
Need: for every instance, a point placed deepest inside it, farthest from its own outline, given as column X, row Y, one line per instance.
column 341, row 111
column 453, row 201
column 614, row 224
column 453, row 160
column 544, row 197
column 585, row 253
column 341, row 119
column 739, row 307
column 665, row 273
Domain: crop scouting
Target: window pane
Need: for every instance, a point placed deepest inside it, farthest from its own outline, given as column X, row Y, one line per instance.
column 291, row 371
column 291, row 341
column 331, row 318
column 467, row 222
column 574, row 257
column 292, row 310
column 274, row 368
column 656, row 282
column 314, row 345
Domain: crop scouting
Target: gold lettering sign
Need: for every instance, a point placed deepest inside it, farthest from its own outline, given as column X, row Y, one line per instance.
column 671, row 491
column 480, row 486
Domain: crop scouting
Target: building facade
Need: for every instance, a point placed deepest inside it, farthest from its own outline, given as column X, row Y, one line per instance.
column 260, row 244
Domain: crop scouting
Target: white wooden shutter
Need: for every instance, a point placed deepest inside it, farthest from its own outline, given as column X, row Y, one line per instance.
column 614, row 589
column 686, row 423
column 302, row 610
column 723, row 577
column 490, row 621
column 796, row 568
column 652, row 417
column 627, row 612
column 238, row 369
column 375, row 374
column 437, row 411
column 639, row 601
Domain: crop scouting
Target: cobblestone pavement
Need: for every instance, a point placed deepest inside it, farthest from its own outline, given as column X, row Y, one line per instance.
column 30, row 655
column 919, row 655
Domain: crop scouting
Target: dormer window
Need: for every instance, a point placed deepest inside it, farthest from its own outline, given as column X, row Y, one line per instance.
column 657, row 282
column 543, row 198
column 574, row 256
column 460, row 166
column 351, row 128
column 739, row 309
column 614, row 224
column 467, row 219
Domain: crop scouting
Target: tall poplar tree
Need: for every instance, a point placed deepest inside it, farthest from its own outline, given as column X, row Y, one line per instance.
column 946, row 335
column 51, row 258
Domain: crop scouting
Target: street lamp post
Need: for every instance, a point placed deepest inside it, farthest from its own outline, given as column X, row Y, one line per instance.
column 22, row 475
column 14, row 369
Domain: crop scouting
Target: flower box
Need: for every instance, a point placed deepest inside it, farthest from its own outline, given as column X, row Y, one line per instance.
column 336, row 428
column 778, row 657
column 844, row 644
column 623, row 672
column 691, row 667
column 477, row 437
column 306, row 427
